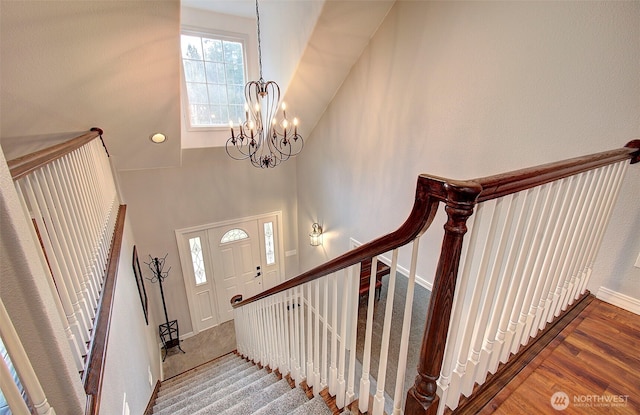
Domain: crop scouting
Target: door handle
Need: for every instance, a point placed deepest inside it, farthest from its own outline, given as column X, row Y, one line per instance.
column 258, row 274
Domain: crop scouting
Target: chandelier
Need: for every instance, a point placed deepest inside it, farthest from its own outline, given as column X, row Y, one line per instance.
column 266, row 136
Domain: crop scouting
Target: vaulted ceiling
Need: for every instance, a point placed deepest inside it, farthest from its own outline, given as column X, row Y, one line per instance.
column 70, row 66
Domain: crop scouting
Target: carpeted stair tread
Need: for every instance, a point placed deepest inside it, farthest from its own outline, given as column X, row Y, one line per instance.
column 207, row 371
column 288, row 403
column 315, row 406
column 252, row 403
column 217, row 406
column 215, row 382
column 206, row 397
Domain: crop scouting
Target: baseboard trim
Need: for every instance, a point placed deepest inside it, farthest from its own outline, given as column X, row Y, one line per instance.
column 619, row 300
column 152, row 399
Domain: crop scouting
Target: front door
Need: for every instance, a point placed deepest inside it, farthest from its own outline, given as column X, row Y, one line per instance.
column 237, row 267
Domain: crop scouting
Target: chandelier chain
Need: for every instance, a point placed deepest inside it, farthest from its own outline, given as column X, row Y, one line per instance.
column 259, row 43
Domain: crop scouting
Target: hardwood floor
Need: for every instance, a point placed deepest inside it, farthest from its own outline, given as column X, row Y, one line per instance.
column 591, row 367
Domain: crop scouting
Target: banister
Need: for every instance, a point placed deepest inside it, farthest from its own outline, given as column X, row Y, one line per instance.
column 433, row 189
column 506, row 183
column 422, row 214
column 21, row 166
column 98, row 352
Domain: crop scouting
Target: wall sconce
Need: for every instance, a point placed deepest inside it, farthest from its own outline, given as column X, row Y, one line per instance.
column 315, row 237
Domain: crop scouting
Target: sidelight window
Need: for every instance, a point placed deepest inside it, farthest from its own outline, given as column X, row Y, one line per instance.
column 197, row 259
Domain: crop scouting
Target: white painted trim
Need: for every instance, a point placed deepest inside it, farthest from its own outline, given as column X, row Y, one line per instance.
column 228, row 222
column 620, row 300
column 404, row 271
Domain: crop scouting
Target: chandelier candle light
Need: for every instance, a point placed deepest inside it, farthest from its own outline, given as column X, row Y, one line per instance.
column 261, row 138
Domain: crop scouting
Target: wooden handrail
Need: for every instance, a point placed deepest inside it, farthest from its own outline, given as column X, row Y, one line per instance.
column 432, row 189
column 506, row 183
column 24, row 165
column 98, row 353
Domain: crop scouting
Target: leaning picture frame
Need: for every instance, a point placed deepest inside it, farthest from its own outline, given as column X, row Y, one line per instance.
column 140, row 283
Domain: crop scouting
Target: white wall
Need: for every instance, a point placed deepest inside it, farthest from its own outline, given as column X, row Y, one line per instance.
column 209, row 187
column 72, row 65
column 132, row 351
column 468, row 89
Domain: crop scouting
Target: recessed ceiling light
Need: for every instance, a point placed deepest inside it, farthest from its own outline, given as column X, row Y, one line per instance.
column 158, row 138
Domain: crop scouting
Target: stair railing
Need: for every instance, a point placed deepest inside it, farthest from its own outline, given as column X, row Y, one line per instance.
column 69, row 193
column 529, row 256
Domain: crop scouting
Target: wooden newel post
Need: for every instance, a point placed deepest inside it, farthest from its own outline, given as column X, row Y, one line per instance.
column 460, row 201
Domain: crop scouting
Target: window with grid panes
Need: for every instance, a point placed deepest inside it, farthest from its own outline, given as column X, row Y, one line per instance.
column 214, row 77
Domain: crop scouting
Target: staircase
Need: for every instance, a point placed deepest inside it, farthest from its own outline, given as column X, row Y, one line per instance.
column 232, row 385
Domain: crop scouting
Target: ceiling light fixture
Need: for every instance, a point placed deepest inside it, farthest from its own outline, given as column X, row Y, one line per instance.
column 158, row 138
column 264, row 138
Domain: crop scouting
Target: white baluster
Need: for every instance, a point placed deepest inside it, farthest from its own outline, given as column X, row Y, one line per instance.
column 286, row 312
column 325, row 339
column 363, row 398
column 21, row 363
column 341, row 384
column 354, row 282
column 378, row 400
column 10, row 391
column 295, row 340
column 273, row 330
column 317, row 387
column 302, row 338
column 310, row 374
column 406, row 327
column 279, row 337
column 333, row 371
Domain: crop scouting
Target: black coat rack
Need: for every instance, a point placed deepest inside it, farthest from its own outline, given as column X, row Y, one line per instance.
column 169, row 333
